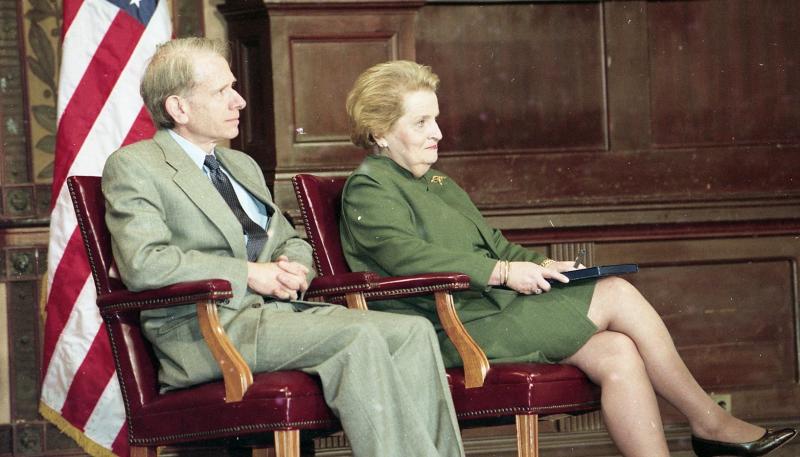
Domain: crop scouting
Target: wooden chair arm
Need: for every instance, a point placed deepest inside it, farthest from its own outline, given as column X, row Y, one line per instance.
column 356, row 300
column 235, row 372
column 476, row 365
column 205, row 294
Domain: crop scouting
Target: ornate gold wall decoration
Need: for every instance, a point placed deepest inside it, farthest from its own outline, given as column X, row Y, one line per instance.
column 42, row 24
column 42, row 27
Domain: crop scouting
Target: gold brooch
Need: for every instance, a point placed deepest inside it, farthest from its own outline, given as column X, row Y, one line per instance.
column 438, row 179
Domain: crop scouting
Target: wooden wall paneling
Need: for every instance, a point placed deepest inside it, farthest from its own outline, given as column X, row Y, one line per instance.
column 627, row 66
column 517, row 97
column 540, row 127
column 23, row 349
column 630, row 187
column 187, row 18
column 734, row 320
column 512, row 80
column 6, row 439
column 249, row 34
column 27, row 125
column 731, row 305
column 571, row 251
column 17, row 192
column 316, row 59
column 24, row 251
column 724, row 72
column 613, row 137
column 257, row 132
column 5, row 372
column 634, row 181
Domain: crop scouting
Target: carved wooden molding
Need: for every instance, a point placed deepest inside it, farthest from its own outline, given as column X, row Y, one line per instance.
column 666, row 231
column 341, row 4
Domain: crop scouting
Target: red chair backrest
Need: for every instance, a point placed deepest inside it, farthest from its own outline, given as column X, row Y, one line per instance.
column 90, row 210
column 133, row 354
column 320, row 202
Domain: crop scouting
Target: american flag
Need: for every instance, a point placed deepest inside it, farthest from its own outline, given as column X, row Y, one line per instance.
column 106, row 45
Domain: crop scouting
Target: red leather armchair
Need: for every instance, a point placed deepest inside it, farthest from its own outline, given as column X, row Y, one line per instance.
column 481, row 393
column 264, row 409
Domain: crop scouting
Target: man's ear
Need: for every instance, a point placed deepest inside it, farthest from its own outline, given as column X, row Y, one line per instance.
column 176, row 108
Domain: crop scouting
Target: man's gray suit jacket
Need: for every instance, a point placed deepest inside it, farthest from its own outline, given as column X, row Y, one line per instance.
column 169, row 224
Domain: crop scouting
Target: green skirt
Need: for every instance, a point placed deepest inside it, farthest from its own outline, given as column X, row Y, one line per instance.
column 544, row 328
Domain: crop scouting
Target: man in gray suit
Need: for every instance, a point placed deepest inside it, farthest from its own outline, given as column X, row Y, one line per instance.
column 381, row 373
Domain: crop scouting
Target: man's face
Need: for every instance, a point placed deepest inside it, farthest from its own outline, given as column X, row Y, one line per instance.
column 210, row 111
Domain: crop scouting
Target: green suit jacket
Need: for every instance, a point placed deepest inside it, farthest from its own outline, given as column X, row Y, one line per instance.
column 395, row 224
column 169, row 224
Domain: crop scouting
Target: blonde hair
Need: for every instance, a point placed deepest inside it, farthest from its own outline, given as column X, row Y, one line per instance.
column 375, row 102
column 171, row 72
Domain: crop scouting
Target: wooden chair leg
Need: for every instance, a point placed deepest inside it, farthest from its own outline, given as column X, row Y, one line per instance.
column 306, row 450
column 528, row 435
column 141, row 451
column 263, row 452
column 287, row 443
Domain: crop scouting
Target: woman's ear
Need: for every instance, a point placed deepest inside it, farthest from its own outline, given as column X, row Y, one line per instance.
column 176, row 109
column 379, row 140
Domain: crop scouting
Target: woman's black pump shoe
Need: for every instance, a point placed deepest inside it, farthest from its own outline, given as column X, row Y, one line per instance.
column 772, row 439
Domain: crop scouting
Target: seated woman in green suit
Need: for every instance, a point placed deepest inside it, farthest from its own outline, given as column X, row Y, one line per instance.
column 401, row 217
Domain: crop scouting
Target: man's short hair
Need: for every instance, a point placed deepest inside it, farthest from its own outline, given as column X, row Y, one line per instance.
column 171, row 72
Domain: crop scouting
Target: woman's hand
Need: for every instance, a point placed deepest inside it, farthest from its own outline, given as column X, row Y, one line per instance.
column 529, row 278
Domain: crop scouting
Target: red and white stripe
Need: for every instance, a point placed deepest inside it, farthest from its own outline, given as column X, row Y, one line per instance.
column 104, row 54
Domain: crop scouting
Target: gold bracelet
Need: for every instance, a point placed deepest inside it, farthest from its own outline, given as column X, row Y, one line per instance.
column 546, row 262
column 508, row 272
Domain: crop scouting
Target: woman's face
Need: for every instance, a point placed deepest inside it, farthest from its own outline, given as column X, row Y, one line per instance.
column 412, row 142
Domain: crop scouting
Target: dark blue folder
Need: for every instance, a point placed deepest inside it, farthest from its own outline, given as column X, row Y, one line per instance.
column 599, row 271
